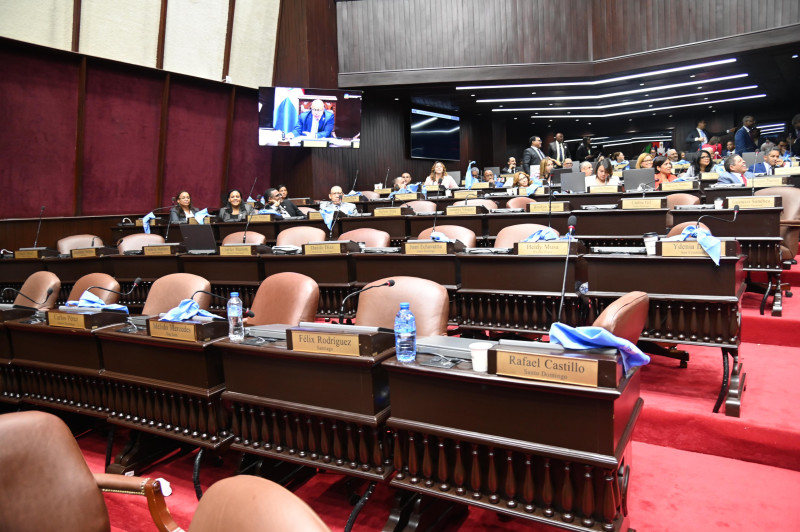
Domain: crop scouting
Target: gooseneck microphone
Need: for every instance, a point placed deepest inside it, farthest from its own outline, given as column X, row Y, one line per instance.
column 42, row 302
column 136, row 283
column 244, row 206
column 572, row 221
column 335, row 219
column 38, row 228
column 390, row 282
column 245, row 313
column 353, row 188
column 386, row 179
column 735, row 214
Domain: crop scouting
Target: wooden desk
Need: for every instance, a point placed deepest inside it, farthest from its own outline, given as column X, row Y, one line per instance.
column 323, row 411
column 514, row 446
column 9, row 377
column 621, row 221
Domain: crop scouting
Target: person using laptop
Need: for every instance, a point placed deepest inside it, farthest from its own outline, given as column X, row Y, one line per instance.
column 603, row 175
column 276, row 202
column 234, row 210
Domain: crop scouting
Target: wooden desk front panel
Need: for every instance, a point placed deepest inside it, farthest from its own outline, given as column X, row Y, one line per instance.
column 442, row 269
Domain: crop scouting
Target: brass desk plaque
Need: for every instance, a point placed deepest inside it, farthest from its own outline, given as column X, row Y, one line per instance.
column 687, row 248
column 187, row 331
column 163, row 249
column 193, row 221
column 752, row 202
column 553, row 247
column 644, row 203
column 617, row 173
column 709, row 176
column 330, row 248
column 83, row 252
column 237, row 250
column 140, row 222
column 431, row 247
column 543, row 206
column 603, row 189
column 261, row 218
column 480, row 185
column 353, row 199
column 84, row 320
column 383, row 191
column 27, row 254
column 314, row 215
column 407, row 196
column 678, row 185
column 547, row 367
column 338, row 343
column 465, row 209
column 433, row 188
column 768, row 181
column 788, row 170
column 467, row 194
column 393, row 211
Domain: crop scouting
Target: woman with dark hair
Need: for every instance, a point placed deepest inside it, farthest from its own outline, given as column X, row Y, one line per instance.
column 663, row 168
column 234, row 210
column 603, row 175
column 702, row 163
column 180, row 213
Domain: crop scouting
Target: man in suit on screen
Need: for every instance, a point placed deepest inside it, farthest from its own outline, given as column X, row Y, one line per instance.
column 316, row 123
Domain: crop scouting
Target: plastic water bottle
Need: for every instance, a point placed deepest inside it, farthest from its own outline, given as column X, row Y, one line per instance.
column 235, row 323
column 405, row 334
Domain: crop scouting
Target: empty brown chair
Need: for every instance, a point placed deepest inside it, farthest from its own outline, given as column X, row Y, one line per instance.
column 286, row 298
column 252, row 238
column 136, row 241
column 679, row 199
column 68, row 243
column 453, row 232
column 372, row 238
column 626, row 317
column 519, row 202
column 678, row 229
column 297, row 236
column 96, row 279
column 428, row 300
column 516, row 233
column 421, row 206
column 168, row 291
column 790, row 232
column 370, row 194
column 489, row 204
column 36, row 287
column 48, row 486
column 305, row 210
column 246, row 503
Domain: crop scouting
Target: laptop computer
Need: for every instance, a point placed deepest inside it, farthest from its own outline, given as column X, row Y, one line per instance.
column 199, row 239
column 641, row 179
column 572, row 182
column 555, row 175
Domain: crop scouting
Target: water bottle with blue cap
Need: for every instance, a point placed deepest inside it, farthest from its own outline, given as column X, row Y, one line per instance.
column 405, row 334
column 235, row 322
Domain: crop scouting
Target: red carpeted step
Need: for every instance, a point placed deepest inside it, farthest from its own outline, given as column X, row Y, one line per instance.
column 768, row 329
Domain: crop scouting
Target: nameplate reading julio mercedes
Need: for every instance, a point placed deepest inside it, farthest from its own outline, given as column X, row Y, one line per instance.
column 324, row 343
column 551, row 368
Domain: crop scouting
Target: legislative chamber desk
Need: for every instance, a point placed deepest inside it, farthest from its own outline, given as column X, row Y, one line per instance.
column 13, row 273
column 9, row 382
column 320, row 410
column 552, row 453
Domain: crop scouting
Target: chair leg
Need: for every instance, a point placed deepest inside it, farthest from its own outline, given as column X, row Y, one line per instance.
column 110, row 444
column 359, row 505
column 198, row 490
column 724, row 388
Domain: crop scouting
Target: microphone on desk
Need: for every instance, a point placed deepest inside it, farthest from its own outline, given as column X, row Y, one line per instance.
column 735, row 214
column 42, row 302
column 572, row 221
column 136, row 283
column 386, row 179
column 333, row 222
column 247, row 313
column 38, row 227
column 390, row 282
column 249, row 195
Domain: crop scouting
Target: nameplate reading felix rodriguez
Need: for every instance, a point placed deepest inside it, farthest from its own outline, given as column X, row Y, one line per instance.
column 552, row 368
column 324, row 343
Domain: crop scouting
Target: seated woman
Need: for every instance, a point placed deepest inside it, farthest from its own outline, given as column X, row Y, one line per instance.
column 545, row 170
column 620, row 163
column 702, row 163
column 663, row 167
column 439, row 176
column 180, row 213
column 521, row 179
column 603, row 175
column 235, row 210
column 644, row 160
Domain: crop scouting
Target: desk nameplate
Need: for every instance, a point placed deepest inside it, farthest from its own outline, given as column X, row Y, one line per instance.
column 644, row 203
column 159, row 250
column 237, row 250
column 84, row 320
column 330, row 248
column 604, row 189
column 206, row 221
column 383, row 191
column 465, row 209
column 480, row 185
column 187, row 331
column 595, row 371
column 431, row 247
column 314, row 215
column 709, row 176
column 408, row 196
column 392, row 211
column 788, row 170
column 27, row 254
column 467, row 194
column 555, row 206
column 353, row 199
column 140, row 222
column 306, row 340
column 544, row 248
column 687, row 248
column 433, row 188
column 83, row 252
column 678, row 185
column 768, row 181
column 254, row 218
column 753, row 202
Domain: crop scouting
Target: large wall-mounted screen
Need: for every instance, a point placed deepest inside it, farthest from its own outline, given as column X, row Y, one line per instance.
column 435, row 136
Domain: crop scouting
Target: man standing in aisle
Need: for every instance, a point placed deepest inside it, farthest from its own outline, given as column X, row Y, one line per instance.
column 558, row 151
column 532, row 156
column 743, row 139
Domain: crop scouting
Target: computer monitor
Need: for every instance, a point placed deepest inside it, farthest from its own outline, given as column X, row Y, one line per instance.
column 640, row 179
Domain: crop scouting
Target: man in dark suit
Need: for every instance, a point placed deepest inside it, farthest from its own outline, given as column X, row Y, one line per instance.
column 771, row 161
column 743, row 139
column 558, row 151
column 284, row 206
column 532, row 156
column 316, row 123
column 699, row 136
column 585, row 152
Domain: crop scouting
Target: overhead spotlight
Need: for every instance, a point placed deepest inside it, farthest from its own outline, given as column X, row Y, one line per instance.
column 630, row 120
column 651, row 105
column 710, row 106
column 700, row 87
column 691, row 76
column 569, row 112
column 705, row 98
column 515, row 118
column 670, row 116
column 641, row 84
column 501, row 106
column 577, row 120
column 654, row 114
column 589, row 123
column 397, row 99
column 794, row 56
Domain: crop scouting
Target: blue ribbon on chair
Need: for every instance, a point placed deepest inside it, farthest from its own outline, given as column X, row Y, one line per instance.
column 186, row 310
column 440, row 237
column 541, row 235
column 707, row 241
column 89, row 300
column 200, row 215
column 594, row 337
column 535, row 184
column 146, row 221
column 469, row 180
column 327, row 216
column 270, row 211
column 250, row 200
column 354, row 193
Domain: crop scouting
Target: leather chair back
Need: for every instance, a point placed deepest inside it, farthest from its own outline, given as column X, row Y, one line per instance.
column 370, row 194
column 247, row 503
column 35, row 287
column 171, row 289
column 421, row 205
column 297, row 236
column 96, row 279
column 791, row 211
column 78, row 241
column 287, row 298
column 135, row 241
column 489, row 204
column 507, row 236
column 626, row 317
column 679, row 199
column 372, row 238
column 467, row 236
column 428, row 300
column 252, row 238
column 678, row 229
column 519, row 202
column 46, row 482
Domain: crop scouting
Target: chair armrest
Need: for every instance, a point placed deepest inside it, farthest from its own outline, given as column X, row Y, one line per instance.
column 790, row 223
column 146, row 487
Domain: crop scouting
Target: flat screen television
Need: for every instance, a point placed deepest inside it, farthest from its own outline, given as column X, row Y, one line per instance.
column 310, row 118
column 434, row 136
